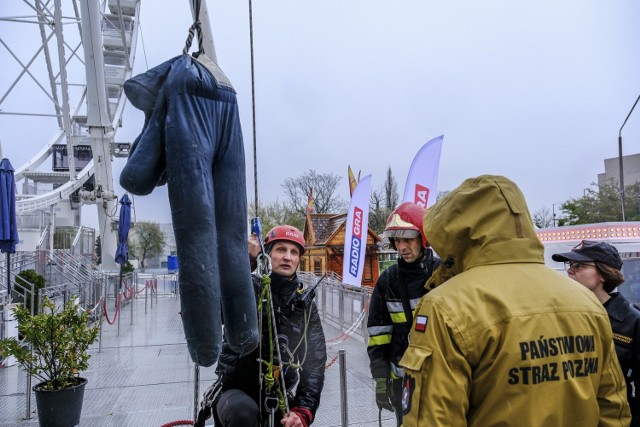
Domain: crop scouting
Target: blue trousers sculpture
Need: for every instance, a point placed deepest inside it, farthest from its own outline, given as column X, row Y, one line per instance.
column 192, row 141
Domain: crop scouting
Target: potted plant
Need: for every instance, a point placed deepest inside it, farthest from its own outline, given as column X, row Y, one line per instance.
column 54, row 350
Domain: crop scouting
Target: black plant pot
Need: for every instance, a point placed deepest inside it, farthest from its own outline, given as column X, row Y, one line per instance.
column 60, row 408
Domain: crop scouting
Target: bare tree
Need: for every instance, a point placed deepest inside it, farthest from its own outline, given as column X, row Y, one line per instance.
column 378, row 213
column 391, row 191
column 276, row 213
column 382, row 203
column 542, row 218
column 323, row 186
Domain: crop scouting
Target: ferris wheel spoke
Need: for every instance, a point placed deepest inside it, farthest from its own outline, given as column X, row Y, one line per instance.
column 86, row 115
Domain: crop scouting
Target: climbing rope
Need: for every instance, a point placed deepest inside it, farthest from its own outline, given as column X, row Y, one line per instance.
column 253, row 111
column 273, row 380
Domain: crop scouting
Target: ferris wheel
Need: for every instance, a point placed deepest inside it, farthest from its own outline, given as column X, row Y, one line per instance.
column 83, row 54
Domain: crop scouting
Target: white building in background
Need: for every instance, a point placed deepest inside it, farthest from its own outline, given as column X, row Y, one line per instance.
column 630, row 166
column 169, row 243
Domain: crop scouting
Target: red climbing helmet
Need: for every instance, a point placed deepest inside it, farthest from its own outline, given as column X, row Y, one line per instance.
column 286, row 233
column 405, row 222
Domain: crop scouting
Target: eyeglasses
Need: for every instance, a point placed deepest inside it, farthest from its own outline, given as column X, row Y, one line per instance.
column 576, row 266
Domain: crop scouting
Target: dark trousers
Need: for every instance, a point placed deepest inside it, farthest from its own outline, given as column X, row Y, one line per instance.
column 397, row 399
column 235, row 408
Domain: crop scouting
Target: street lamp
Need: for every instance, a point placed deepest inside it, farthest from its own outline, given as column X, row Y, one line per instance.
column 553, row 209
column 620, row 157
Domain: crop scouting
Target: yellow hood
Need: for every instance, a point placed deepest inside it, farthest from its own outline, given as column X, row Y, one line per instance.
column 482, row 222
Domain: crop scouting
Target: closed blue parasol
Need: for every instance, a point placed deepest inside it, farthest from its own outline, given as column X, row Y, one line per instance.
column 124, row 223
column 8, row 225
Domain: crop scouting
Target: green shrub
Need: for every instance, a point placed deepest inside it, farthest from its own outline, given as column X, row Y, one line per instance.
column 24, row 280
column 59, row 340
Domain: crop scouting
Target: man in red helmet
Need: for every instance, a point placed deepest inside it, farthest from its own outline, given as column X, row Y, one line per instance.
column 246, row 397
column 393, row 302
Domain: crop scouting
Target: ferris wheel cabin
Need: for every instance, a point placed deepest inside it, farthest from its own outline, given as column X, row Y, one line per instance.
column 116, row 32
column 127, row 7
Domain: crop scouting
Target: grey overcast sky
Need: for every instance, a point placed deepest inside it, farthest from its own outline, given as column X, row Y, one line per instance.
column 533, row 90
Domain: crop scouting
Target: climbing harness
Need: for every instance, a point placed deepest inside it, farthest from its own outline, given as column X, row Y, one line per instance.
column 273, row 377
column 275, row 397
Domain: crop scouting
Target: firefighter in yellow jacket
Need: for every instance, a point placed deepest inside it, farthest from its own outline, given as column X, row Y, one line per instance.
column 502, row 339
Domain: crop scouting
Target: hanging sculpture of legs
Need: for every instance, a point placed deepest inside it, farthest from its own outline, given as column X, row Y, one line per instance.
column 194, row 126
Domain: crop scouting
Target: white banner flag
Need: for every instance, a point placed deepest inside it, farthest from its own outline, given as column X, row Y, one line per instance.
column 422, row 181
column 356, row 233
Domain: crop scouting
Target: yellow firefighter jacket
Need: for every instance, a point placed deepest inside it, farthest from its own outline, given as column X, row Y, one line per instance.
column 505, row 341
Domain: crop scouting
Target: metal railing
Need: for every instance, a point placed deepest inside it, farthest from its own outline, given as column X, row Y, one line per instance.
column 33, row 220
column 340, row 304
column 84, row 242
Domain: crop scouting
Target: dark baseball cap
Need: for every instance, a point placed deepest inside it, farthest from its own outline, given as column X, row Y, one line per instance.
column 589, row 250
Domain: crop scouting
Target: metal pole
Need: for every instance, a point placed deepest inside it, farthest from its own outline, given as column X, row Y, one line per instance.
column 196, row 391
column 364, row 321
column 341, row 308
column 324, row 301
column 118, row 307
column 621, row 175
column 9, row 276
column 133, row 294
column 104, row 295
column 620, row 155
column 146, row 292
column 28, row 403
column 342, row 358
column 57, row 17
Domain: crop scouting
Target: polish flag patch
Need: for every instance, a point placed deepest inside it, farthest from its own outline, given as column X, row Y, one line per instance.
column 421, row 323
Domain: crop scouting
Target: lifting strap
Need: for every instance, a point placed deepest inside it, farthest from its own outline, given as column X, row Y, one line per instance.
column 195, row 27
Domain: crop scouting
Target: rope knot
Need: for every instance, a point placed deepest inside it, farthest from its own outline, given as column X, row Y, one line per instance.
column 196, row 26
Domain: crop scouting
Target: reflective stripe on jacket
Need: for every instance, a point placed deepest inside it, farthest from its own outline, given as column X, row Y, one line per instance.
column 387, row 324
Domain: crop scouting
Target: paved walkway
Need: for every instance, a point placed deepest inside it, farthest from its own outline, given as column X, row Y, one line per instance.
column 143, row 376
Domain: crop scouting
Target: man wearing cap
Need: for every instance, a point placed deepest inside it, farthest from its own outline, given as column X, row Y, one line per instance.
column 596, row 266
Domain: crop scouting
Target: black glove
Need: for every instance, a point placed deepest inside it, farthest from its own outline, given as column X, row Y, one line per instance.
column 384, row 393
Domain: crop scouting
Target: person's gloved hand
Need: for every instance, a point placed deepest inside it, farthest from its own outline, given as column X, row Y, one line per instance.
column 383, row 394
column 298, row 417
